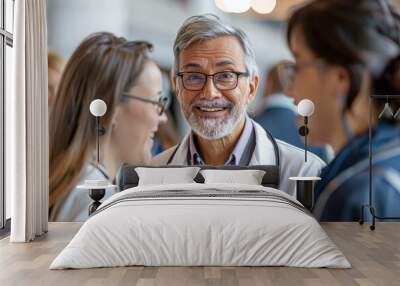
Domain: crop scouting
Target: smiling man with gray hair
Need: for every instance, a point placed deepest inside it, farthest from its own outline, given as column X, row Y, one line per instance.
column 215, row 78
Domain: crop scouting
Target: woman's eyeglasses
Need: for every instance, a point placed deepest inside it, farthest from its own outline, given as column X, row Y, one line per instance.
column 195, row 81
column 161, row 104
column 288, row 71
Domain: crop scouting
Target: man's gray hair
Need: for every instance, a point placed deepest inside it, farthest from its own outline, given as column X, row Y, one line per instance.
column 207, row 27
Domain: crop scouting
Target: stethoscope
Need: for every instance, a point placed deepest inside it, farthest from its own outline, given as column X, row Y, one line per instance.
column 276, row 149
column 270, row 137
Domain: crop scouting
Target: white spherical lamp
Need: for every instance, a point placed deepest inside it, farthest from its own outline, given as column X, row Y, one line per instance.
column 98, row 107
column 305, row 108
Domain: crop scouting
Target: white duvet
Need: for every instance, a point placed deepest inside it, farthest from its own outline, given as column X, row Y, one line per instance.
column 201, row 224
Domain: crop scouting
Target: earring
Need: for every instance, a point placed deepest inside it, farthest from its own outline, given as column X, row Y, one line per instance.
column 102, row 131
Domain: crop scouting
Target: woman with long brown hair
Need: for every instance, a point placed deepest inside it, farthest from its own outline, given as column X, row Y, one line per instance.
column 124, row 76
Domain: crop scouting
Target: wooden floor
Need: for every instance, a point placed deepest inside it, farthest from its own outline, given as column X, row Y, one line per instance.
column 375, row 257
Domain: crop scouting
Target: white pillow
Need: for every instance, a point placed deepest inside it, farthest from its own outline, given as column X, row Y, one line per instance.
column 249, row 177
column 162, row 176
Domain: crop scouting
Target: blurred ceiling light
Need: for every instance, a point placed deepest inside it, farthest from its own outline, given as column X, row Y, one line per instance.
column 263, row 6
column 233, row 6
column 221, row 5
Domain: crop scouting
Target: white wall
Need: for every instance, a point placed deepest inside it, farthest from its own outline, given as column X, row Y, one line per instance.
column 157, row 21
column 70, row 21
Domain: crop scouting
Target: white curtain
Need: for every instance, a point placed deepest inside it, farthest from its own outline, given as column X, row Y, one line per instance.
column 27, row 124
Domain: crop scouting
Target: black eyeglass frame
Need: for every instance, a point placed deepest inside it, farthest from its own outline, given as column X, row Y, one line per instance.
column 318, row 63
column 237, row 74
column 288, row 71
column 162, row 102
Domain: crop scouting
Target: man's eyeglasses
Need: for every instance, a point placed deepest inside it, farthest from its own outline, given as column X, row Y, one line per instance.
column 195, row 81
column 161, row 104
column 288, row 70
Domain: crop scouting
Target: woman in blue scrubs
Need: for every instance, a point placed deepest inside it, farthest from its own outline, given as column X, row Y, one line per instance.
column 346, row 51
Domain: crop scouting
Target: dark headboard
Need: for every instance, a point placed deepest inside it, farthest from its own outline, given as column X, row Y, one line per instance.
column 128, row 178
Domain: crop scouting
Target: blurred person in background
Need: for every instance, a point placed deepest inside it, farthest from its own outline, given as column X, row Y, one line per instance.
column 126, row 78
column 345, row 51
column 278, row 114
column 55, row 65
column 166, row 136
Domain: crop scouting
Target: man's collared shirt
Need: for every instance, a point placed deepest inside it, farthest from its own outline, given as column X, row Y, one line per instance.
column 237, row 153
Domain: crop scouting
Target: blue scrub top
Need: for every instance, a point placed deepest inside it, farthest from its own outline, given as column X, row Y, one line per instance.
column 345, row 181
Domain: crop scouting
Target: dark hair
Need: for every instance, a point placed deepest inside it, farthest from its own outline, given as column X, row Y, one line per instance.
column 103, row 66
column 355, row 34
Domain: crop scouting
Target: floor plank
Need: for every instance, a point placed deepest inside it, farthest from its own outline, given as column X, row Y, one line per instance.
column 375, row 257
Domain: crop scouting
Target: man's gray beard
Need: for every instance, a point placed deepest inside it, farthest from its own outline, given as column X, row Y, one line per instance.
column 215, row 128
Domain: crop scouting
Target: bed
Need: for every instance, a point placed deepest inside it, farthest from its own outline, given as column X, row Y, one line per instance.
column 200, row 224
